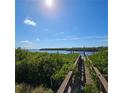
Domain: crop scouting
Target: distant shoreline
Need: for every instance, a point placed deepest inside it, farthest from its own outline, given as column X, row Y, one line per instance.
column 87, row 49
column 76, row 49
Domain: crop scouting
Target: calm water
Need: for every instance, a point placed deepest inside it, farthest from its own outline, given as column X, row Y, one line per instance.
column 61, row 51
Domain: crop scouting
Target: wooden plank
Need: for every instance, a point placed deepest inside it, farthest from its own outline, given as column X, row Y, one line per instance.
column 88, row 76
column 64, row 84
column 77, row 60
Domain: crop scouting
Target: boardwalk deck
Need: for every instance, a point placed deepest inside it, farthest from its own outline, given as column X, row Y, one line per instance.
column 88, row 76
column 69, row 85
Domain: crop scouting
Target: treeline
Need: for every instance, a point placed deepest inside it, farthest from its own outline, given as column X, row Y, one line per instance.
column 94, row 49
column 36, row 68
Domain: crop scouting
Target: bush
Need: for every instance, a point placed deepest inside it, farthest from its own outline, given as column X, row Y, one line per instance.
column 90, row 89
column 36, row 68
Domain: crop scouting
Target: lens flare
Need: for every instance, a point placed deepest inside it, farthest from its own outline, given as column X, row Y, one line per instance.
column 49, row 3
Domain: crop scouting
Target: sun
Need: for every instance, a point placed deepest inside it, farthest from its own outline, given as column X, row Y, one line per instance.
column 49, row 3
column 49, row 7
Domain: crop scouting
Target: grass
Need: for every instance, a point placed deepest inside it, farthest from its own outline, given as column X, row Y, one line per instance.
column 24, row 88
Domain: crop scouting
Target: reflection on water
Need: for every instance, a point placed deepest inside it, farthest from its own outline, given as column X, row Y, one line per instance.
column 62, row 51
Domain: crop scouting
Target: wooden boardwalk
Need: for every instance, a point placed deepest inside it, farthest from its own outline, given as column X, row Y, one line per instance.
column 69, row 83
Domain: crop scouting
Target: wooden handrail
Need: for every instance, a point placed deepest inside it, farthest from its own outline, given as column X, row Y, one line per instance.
column 99, row 75
column 77, row 60
column 102, row 79
column 65, row 84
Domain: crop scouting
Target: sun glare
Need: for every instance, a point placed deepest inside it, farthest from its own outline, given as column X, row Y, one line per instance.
column 49, row 8
column 49, row 3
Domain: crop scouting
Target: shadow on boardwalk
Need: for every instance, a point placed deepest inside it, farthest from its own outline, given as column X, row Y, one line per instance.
column 79, row 78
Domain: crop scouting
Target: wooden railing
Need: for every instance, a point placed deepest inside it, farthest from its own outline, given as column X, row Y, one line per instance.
column 103, row 84
column 66, row 83
column 65, row 87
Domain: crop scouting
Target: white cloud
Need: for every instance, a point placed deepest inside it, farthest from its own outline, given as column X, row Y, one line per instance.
column 74, row 37
column 59, row 33
column 30, row 22
column 37, row 39
column 68, row 38
column 63, row 39
column 26, row 44
column 94, row 37
column 29, row 44
column 104, row 40
column 25, row 41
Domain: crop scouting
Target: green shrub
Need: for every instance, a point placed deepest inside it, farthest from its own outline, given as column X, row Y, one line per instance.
column 36, row 68
column 90, row 89
column 100, row 60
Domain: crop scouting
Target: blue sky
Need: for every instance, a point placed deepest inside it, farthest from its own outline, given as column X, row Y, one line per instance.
column 61, row 23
